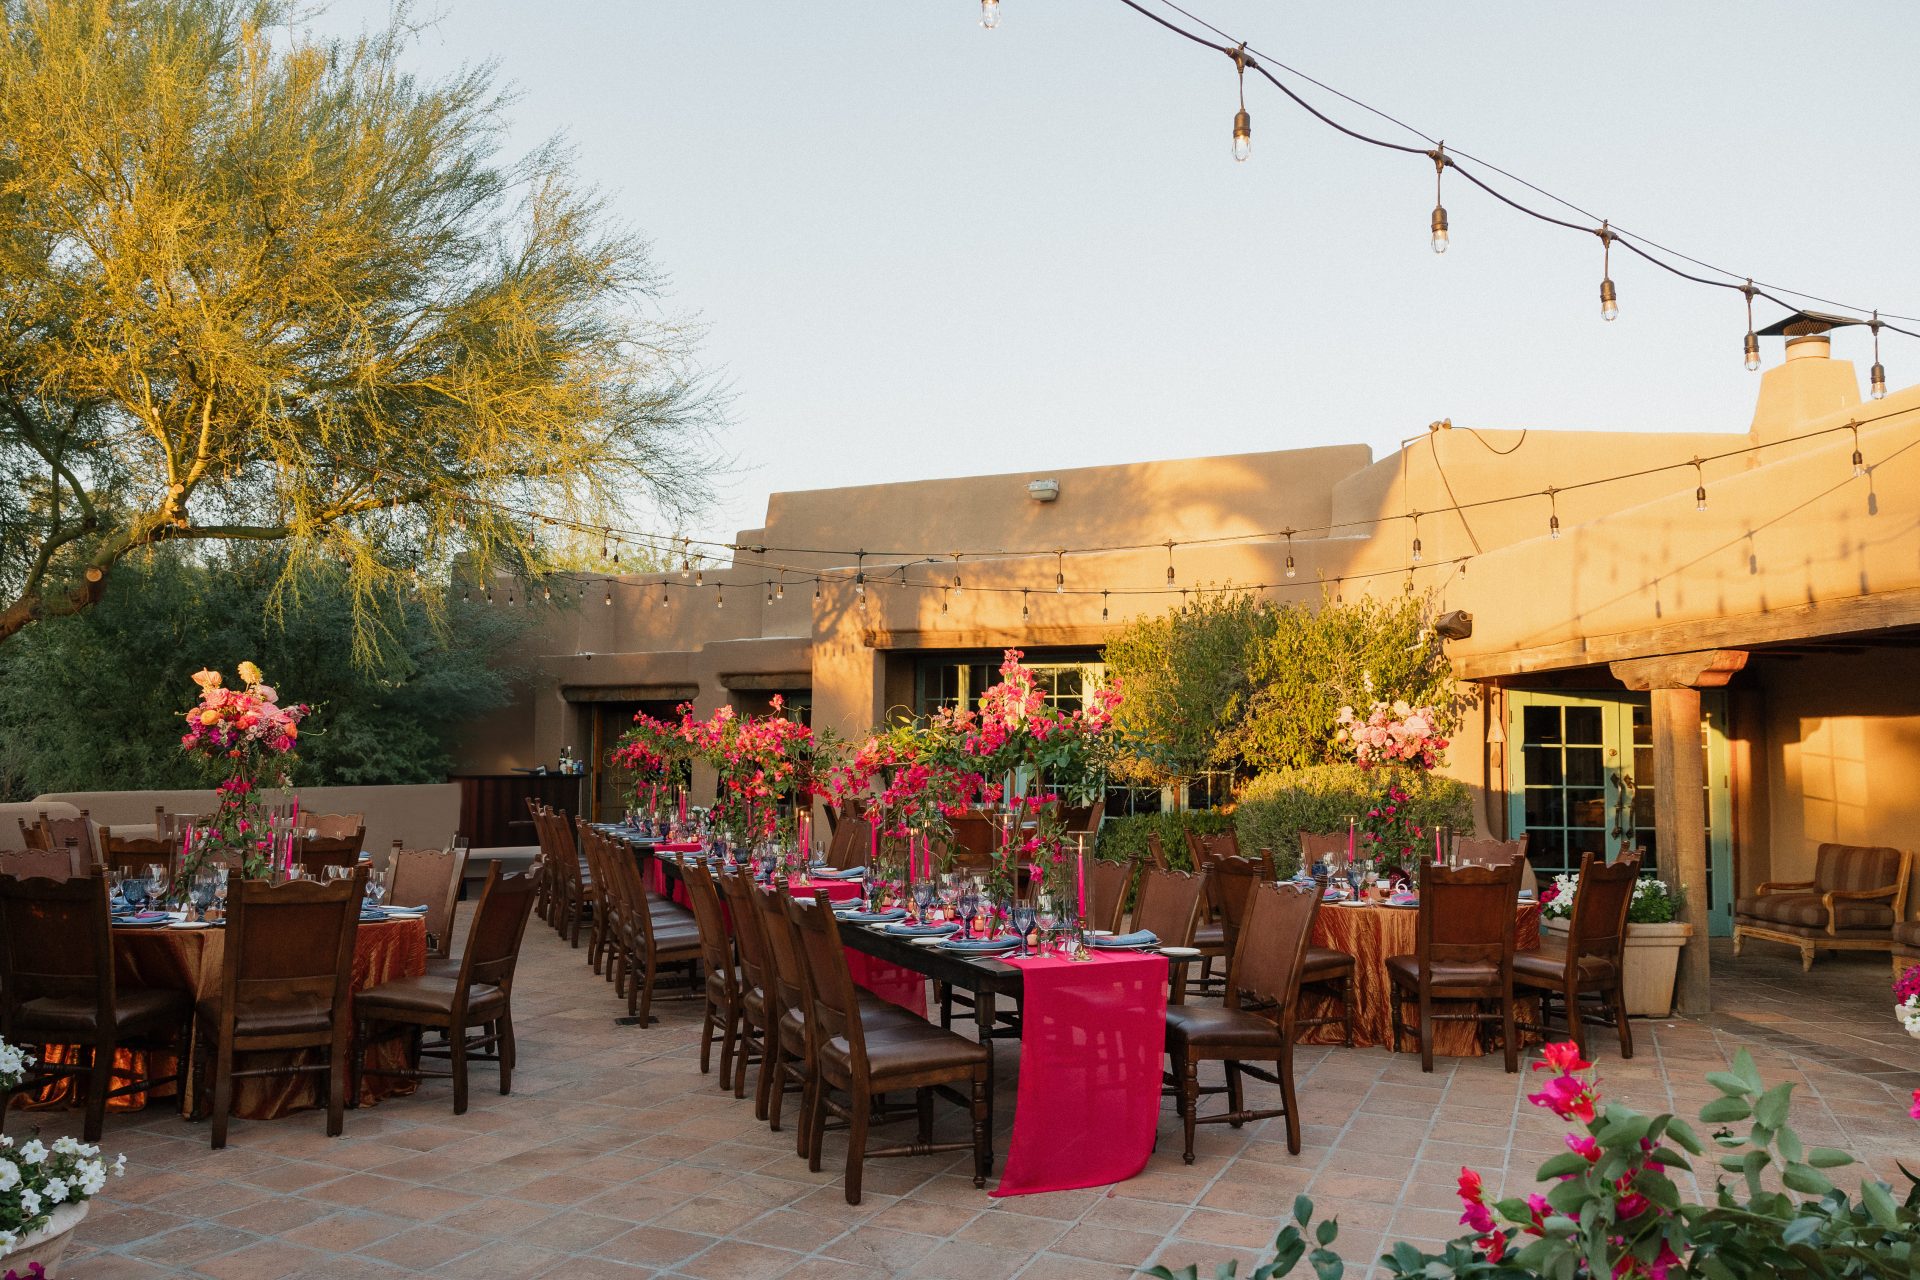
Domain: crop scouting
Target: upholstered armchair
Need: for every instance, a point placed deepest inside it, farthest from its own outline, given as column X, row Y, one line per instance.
column 1906, row 946
column 1853, row 902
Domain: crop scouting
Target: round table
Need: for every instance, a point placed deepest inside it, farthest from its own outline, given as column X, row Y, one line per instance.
column 191, row 960
column 1370, row 934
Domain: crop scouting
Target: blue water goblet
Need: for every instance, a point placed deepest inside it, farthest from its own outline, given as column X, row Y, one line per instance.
column 1023, row 917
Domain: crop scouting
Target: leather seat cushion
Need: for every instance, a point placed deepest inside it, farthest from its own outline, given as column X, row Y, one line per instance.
column 675, row 937
column 913, row 1053
column 296, row 1016
column 429, row 994
column 1466, row 978
column 1210, row 937
column 1807, row 911
column 1907, row 933
column 1324, row 962
column 135, row 1009
column 717, row 982
column 1213, row 1026
column 1550, row 968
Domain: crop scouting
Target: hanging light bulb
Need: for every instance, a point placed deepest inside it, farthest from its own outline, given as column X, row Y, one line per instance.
column 1753, row 339
column 816, row 589
column 1242, row 122
column 1416, row 537
column 945, row 598
column 666, row 601
column 989, row 14
column 1059, row 573
column 1553, row 519
column 1463, row 566
column 1609, row 303
column 686, row 556
column 956, row 572
column 616, row 553
column 719, row 595
column 606, row 542
column 699, row 577
column 1699, row 493
column 546, row 592
column 1169, row 562
column 860, row 579
column 1024, row 613
column 769, row 593
column 1103, row 606
column 780, row 592
column 1877, row 380
column 1859, row 459
column 489, row 595
column 466, row 596
column 1440, row 163
column 1291, row 571
column 609, row 598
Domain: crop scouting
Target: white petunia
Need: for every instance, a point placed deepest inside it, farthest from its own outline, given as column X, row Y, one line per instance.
column 7, row 1241
column 9, row 1175
column 33, row 1151
column 57, row 1189
column 30, row 1203
column 69, row 1147
column 119, row 1165
column 93, row 1179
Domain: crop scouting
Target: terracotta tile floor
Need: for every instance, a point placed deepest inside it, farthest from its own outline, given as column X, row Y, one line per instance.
column 615, row 1158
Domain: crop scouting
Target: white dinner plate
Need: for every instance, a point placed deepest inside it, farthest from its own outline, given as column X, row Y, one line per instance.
column 188, row 924
column 1186, row 952
column 401, row 913
column 932, row 941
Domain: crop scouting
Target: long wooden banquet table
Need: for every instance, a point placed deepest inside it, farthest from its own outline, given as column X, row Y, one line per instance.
column 193, row 959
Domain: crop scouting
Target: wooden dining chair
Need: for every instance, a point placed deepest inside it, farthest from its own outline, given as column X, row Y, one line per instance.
column 1594, row 960
column 286, row 983
column 791, row 1063
column 132, row 855
column 1230, row 881
column 574, row 907
column 1474, row 852
column 1256, row 1023
column 543, row 903
column 337, row 826
column 1108, row 883
column 80, row 835
column 472, row 1007
column 58, row 986
column 866, row 1052
column 44, row 864
column 316, row 852
column 1157, row 852
column 1463, row 953
column 724, row 1008
column 757, row 1032
column 652, row 942
column 432, row 877
column 1209, row 935
column 1169, row 905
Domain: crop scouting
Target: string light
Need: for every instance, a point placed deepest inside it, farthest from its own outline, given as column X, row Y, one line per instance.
column 860, row 580
column 780, row 592
column 1416, row 537
column 719, row 595
column 1877, row 381
column 1700, row 493
column 1024, row 613
column 1170, row 563
column 546, row 592
column 466, row 595
column 609, row 599
column 616, row 552
column 769, row 593
column 606, row 543
column 1291, row 571
column 1553, row 518
column 1859, row 459
column 816, row 588
column 489, row 595
column 686, row 556
column 1609, row 304
column 1753, row 339
column 1242, row 122
column 700, row 577
column 1461, row 564
column 666, row 599
column 946, row 598
column 1439, row 154
column 1103, row 606
column 1059, row 572
column 956, row 572
column 989, row 14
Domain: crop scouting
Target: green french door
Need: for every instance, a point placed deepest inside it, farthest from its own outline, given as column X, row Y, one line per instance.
column 1581, row 781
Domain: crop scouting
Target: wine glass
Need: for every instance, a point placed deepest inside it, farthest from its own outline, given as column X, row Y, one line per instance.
column 1023, row 917
column 220, row 890
column 922, row 898
column 969, row 906
column 1046, row 918
column 158, row 882
column 376, row 887
column 134, row 888
column 200, row 893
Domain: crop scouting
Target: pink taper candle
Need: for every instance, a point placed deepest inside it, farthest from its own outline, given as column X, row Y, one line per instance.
column 1351, row 825
column 1080, row 873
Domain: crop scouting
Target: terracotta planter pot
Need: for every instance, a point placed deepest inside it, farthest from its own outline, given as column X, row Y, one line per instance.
column 47, row 1245
column 1652, row 960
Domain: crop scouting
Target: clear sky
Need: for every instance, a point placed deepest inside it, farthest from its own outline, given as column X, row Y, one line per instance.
column 925, row 249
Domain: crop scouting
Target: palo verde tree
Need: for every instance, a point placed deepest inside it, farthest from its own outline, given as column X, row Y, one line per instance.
column 256, row 286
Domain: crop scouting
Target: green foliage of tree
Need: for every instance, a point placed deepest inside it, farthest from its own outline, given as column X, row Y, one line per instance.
column 93, row 701
column 1313, row 662
column 1185, row 677
column 258, row 287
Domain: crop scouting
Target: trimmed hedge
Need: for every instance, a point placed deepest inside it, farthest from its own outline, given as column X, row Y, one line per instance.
column 1274, row 808
column 1125, row 838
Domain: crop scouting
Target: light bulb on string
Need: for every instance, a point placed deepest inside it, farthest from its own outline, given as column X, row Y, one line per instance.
column 699, row 577
column 816, row 590
column 1699, row 493
column 1753, row 339
column 1103, row 606
column 956, row 573
column 1024, row 612
column 666, row 600
column 1553, row 518
column 606, row 545
column 1291, row 571
column 1059, row 573
column 989, row 14
column 1416, row 537
column 1877, row 380
column 1242, row 122
column 1609, row 302
column 489, row 595
column 1440, row 162
column 946, row 598
column 1859, row 459
column 719, row 595
column 780, row 591
column 616, row 553
column 686, row 556
column 609, row 598
column 466, row 596
column 546, row 592
column 1170, row 563
column 860, row 579
column 769, row 593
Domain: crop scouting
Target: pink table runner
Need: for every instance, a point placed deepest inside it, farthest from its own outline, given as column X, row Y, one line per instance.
column 1091, row 1047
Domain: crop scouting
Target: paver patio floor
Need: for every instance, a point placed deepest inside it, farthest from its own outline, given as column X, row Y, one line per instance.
column 614, row 1157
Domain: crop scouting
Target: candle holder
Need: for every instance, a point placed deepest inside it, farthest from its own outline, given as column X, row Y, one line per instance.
column 1081, row 952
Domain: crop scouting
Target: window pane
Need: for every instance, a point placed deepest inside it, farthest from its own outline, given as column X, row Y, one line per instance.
column 1540, row 724
column 1586, row 807
column 1583, row 724
column 1544, row 807
column 1586, row 767
column 1541, row 766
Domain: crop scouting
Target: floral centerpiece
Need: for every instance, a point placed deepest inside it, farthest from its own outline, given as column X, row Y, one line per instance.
column 1653, row 902
column 657, row 754
column 1906, row 1001
column 247, row 735
column 1393, row 733
column 43, row 1188
column 761, row 761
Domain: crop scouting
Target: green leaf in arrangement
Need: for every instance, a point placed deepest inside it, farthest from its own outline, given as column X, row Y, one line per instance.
column 1771, row 1110
column 1724, row 1111
column 1806, row 1180
column 1302, row 1210
column 1828, row 1158
column 1327, row 1230
column 1744, row 1068
column 1878, row 1199
column 1731, row 1085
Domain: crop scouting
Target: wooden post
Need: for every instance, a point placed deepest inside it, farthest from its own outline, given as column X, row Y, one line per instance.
column 1673, row 682
column 1680, row 826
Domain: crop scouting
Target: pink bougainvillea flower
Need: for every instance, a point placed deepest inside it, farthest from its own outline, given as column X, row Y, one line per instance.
column 1563, row 1057
column 1582, row 1144
column 1567, row 1097
column 1914, row 1110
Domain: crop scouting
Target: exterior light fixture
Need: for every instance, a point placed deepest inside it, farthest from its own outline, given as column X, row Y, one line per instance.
column 1609, row 303
column 1440, row 162
column 1242, row 122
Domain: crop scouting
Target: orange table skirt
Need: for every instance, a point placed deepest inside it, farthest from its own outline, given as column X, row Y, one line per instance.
column 1370, row 935
column 190, row 960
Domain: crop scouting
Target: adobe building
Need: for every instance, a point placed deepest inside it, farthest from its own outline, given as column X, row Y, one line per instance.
column 1615, row 616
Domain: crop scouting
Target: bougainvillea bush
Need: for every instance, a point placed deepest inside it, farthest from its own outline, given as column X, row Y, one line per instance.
column 1609, row 1207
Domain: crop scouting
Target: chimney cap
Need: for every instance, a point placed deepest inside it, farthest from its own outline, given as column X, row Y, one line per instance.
column 1802, row 324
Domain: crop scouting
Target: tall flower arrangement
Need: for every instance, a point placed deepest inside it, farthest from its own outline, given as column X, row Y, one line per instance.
column 1392, row 733
column 656, row 753
column 247, row 735
column 760, row 760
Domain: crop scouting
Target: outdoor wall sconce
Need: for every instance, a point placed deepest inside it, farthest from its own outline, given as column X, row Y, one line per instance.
column 1043, row 490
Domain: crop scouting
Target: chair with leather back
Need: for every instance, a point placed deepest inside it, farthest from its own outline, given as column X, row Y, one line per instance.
column 1470, row 851
column 432, row 877
column 1230, row 882
column 750, row 940
column 1108, row 882
column 315, row 852
column 79, row 834
column 788, row 1066
column 132, row 855
column 473, row 1006
column 1168, row 905
column 851, row 843
column 1594, row 960
column 653, row 940
column 286, row 984
column 724, row 1008
column 1256, row 1022
column 866, row 1052
column 1328, row 970
column 57, row 986
column 44, row 864
column 1463, row 954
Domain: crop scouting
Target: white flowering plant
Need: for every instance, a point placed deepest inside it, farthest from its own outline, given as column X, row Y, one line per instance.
column 1654, row 901
column 14, row 1062
column 1906, row 1000
column 36, row 1178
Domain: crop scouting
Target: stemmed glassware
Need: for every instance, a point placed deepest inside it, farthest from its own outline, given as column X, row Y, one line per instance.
column 376, row 888
column 969, row 906
column 134, row 890
column 200, row 894
column 1046, row 918
column 158, row 883
column 1023, row 917
column 923, row 890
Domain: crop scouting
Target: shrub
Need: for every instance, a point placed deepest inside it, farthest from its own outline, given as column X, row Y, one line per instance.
column 1273, row 809
column 1124, row 838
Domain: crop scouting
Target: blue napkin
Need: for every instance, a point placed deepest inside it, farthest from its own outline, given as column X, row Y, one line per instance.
column 986, row 945
column 144, row 920
column 1139, row 938
column 828, row 873
column 875, row 917
column 372, row 915
column 922, row 930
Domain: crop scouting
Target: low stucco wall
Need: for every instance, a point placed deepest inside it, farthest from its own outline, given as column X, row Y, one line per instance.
column 421, row 816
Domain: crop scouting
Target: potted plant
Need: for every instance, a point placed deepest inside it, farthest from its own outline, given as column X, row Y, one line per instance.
column 1906, row 1001
column 1654, row 939
column 43, row 1189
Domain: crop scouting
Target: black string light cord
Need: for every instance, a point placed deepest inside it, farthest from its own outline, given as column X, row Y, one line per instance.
column 1247, row 58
